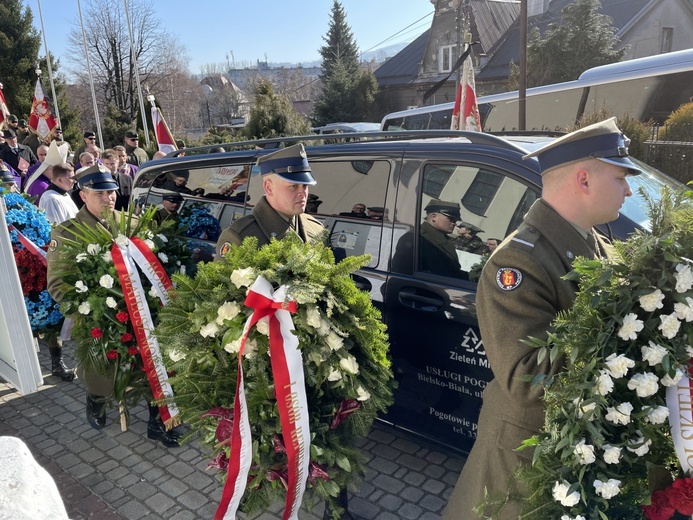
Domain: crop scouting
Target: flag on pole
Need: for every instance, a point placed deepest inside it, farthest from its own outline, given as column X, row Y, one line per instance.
column 164, row 138
column 4, row 111
column 41, row 120
column 465, row 114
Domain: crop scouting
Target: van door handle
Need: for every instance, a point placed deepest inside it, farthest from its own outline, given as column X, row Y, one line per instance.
column 413, row 299
column 362, row 283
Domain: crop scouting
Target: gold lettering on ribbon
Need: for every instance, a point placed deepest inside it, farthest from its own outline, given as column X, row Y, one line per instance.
column 297, row 438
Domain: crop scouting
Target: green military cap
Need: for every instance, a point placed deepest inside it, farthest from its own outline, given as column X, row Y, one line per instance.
column 449, row 209
column 471, row 227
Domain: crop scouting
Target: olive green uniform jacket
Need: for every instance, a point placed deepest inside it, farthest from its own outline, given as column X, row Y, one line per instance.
column 265, row 223
column 164, row 214
column 95, row 384
column 520, row 292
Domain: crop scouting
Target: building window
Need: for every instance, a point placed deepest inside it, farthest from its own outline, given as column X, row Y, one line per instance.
column 445, row 59
column 667, row 39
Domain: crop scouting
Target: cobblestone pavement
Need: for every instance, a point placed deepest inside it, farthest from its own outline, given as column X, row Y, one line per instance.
column 111, row 475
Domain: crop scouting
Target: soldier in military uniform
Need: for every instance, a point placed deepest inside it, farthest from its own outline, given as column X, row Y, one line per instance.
column 286, row 176
column 170, row 203
column 467, row 239
column 522, row 290
column 98, row 192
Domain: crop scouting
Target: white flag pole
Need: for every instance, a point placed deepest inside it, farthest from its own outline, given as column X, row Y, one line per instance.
column 50, row 69
column 91, row 79
column 133, row 55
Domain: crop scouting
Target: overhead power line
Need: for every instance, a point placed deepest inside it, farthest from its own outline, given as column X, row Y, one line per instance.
column 398, row 32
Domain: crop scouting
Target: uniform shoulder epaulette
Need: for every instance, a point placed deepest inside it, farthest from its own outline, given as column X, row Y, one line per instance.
column 242, row 223
column 525, row 238
column 312, row 219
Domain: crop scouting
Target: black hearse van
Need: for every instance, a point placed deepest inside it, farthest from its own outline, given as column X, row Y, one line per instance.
column 437, row 352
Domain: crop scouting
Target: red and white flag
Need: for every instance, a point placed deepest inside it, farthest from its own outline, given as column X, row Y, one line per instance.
column 164, row 138
column 4, row 111
column 41, row 120
column 465, row 115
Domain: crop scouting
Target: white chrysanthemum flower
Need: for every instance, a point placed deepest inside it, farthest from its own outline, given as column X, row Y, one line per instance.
column 107, row 257
column 584, row 453
column 81, row 257
column 684, row 311
column 243, row 277
column 250, row 349
column 162, row 237
column 362, row 394
column 334, row 375
column 334, row 341
column 560, row 494
column 234, row 347
column 93, row 249
column 653, row 353
column 653, row 301
column 324, row 329
column 619, row 414
column 670, row 325
column 176, row 355
column 349, row 364
column 81, row 287
column 122, row 241
column 645, row 384
column 612, row 454
column 313, row 318
column 618, row 366
column 152, row 292
column 656, row 415
column 111, row 303
column 644, row 446
column 84, row 308
column 568, row 517
column 605, row 384
column 582, row 409
column 106, row 281
column 630, row 327
column 163, row 257
column 608, row 489
column 182, row 269
column 228, row 311
column 210, row 330
column 262, row 326
column 684, row 278
column 672, row 381
column 151, row 245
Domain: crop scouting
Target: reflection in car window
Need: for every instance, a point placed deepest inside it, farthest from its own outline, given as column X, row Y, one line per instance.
column 492, row 205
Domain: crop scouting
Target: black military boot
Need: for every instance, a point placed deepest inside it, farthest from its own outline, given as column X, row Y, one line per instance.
column 342, row 500
column 58, row 368
column 157, row 431
column 96, row 411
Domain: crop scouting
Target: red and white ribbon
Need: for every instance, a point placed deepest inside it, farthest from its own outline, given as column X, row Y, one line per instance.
column 33, row 248
column 125, row 259
column 290, row 389
column 680, row 404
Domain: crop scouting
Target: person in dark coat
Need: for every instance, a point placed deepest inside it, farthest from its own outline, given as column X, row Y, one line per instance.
column 18, row 156
column 170, row 203
column 522, row 289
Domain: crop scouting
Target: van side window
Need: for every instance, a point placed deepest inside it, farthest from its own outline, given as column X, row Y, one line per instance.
column 491, row 206
column 349, row 197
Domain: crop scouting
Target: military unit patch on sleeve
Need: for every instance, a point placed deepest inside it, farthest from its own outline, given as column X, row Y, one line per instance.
column 508, row 278
column 224, row 248
column 53, row 245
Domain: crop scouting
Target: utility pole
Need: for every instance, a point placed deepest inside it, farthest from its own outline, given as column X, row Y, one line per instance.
column 522, row 90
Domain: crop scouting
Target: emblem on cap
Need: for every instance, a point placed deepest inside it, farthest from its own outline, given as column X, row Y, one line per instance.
column 224, row 249
column 508, row 278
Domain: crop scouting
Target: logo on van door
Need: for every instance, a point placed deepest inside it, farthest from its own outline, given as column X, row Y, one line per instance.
column 472, row 343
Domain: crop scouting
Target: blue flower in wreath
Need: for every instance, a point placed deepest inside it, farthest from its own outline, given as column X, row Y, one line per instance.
column 199, row 222
column 28, row 219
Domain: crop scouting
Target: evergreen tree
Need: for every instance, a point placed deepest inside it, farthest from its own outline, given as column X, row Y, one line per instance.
column 585, row 39
column 20, row 44
column 340, row 46
column 273, row 116
column 349, row 93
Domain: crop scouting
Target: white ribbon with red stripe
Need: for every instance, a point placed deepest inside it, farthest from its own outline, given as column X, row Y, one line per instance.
column 290, row 389
column 125, row 259
column 33, row 248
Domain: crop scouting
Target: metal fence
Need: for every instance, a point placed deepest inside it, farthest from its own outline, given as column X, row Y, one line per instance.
column 670, row 149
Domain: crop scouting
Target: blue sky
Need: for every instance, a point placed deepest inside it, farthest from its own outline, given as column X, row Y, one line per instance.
column 283, row 31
